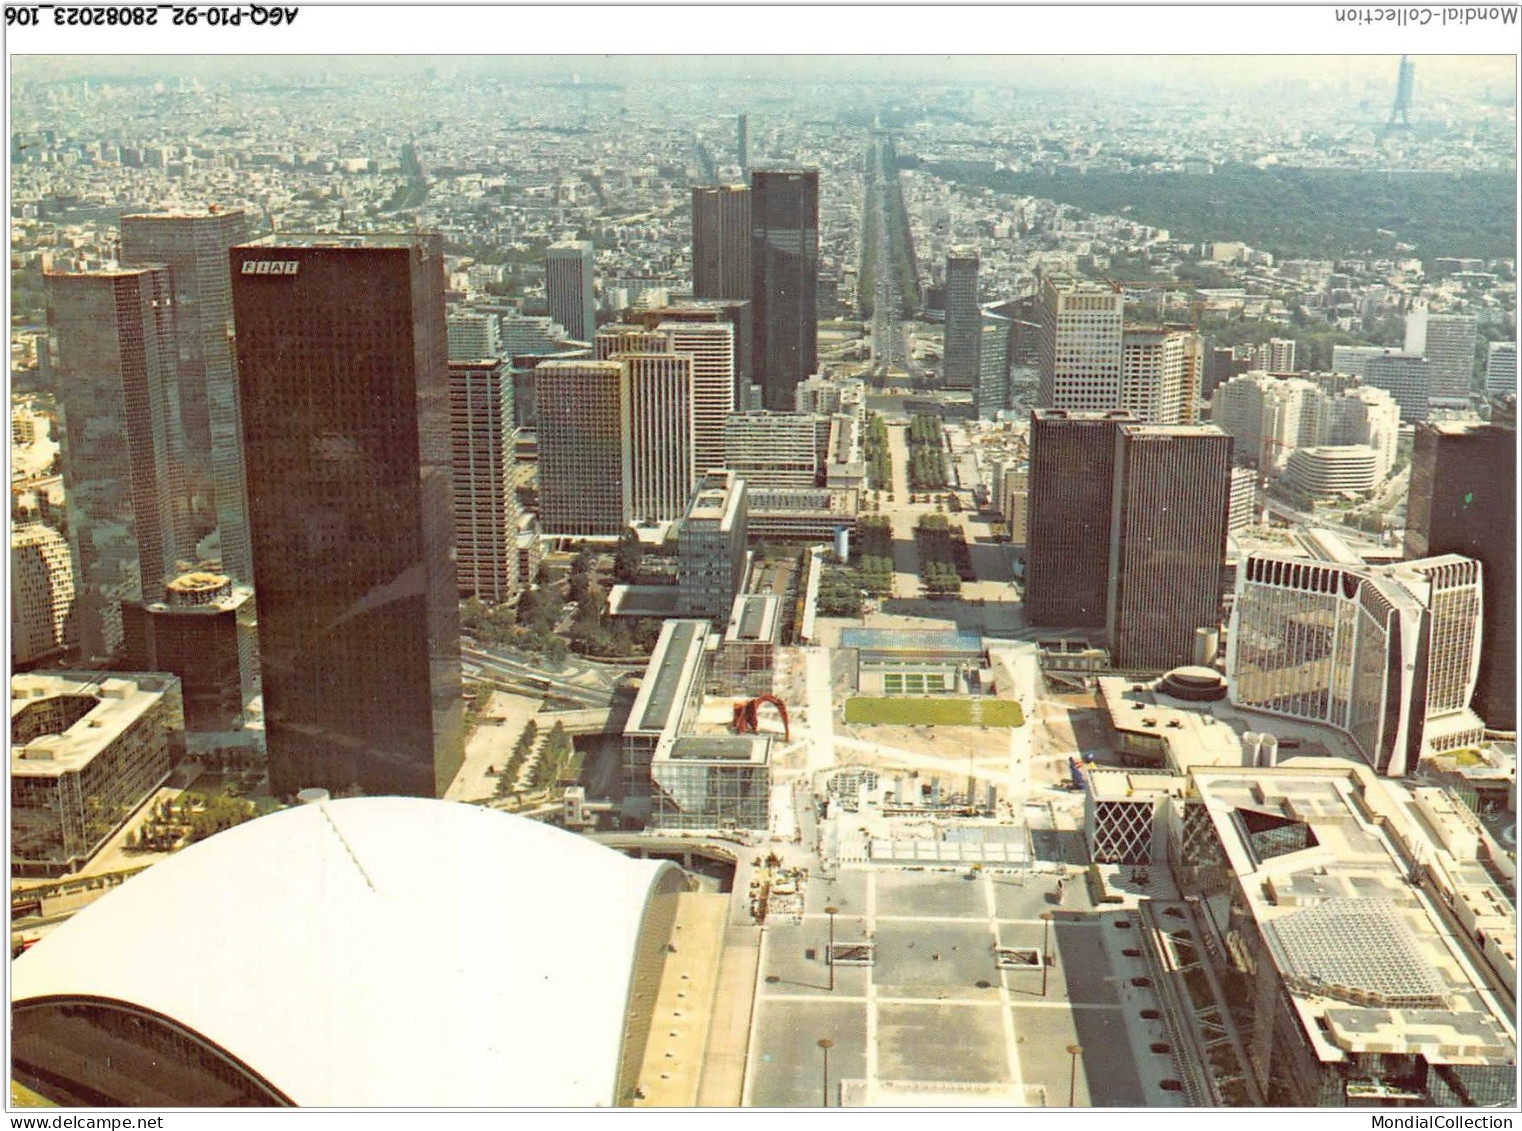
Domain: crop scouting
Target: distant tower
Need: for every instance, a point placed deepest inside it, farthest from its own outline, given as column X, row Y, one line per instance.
column 742, row 142
column 1403, row 85
column 568, row 287
column 721, row 242
column 482, row 438
column 1081, row 346
column 964, row 321
column 784, row 280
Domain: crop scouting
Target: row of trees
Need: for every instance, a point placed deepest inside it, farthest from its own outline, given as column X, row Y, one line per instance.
column 927, row 456
column 875, row 451
column 875, row 554
column 188, row 819
column 839, row 595
column 558, row 762
column 507, row 778
column 533, row 625
column 938, row 565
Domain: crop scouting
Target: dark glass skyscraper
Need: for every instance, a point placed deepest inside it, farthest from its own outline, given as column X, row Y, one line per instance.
column 194, row 248
column 342, row 371
column 1167, row 541
column 123, row 446
column 1463, row 500
column 721, row 242
column 1072, row 483
column 784, row 280
column 964, row 321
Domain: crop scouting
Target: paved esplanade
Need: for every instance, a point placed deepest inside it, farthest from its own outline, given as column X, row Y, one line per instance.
column 935, row 1015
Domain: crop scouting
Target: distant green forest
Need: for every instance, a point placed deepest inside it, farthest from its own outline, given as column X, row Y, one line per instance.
column 1322, row 213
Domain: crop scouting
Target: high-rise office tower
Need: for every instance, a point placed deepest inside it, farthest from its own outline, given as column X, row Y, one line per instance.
column 710, row 563
column 473, row 335
column 1220, row 367
column 194, row 247
column 784, row 280
column 730, row 312
column 122, row 446
column 992, row 394
column 964, row 321
column 1167, row 541
column 704, row 406
column 1082, row 328
column 568, row 287
column 1501, row 369
column 1243, row 511
column 742, row 141
column 1406, row 377
column 777, row 449
column 658, row 441
column 721, row 242
column 711, row 346
column 1355, row 359
column 1160, row 373
column 1463, row 500
column 619, row 338
column 1450, row 355
column 1386, row 654
column 42, row 591
column 486, row 512
column 1072, row 485
column 583, row 423
column 343, row 373
column 1277, row 355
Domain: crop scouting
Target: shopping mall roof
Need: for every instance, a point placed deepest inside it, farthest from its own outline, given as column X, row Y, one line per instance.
column 384, row 952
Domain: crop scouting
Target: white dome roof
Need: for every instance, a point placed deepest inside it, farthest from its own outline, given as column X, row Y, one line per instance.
column 378, row 952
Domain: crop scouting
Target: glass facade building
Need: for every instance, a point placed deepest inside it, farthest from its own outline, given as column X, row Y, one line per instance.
column 87, row 748
column 194, row 247
column 123, row 447
column 1463, row 500
column 784, row 281
column 1389, row 655
column 342, row 365
column 719, row 782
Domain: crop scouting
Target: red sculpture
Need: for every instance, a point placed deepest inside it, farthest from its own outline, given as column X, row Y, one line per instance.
column 745, row 715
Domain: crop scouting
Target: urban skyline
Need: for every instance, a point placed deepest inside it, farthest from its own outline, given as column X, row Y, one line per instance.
column 1027, row 565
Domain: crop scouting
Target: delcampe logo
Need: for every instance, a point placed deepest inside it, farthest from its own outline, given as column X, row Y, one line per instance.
column 270, row 266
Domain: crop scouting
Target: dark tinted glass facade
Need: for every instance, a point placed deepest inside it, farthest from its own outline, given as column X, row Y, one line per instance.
column 90, row 1052
column 194, row 247
column 785, row 280
column 343, row 375
column 1168, row 540
column 123, row 447
column 1463, row 500
column 721, row 242
column 1072, row 482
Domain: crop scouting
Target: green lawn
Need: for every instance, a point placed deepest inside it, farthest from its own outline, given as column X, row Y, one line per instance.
column 931, row 711
column 1002, row 713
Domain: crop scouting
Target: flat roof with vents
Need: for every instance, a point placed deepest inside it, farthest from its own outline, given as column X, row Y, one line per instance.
column 673, row 666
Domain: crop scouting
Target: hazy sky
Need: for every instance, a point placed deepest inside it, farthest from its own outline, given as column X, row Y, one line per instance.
column 1035, row 71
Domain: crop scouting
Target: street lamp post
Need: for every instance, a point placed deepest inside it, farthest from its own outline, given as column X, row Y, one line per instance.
column 1046, row 932
column 1074, row 1051
column 825, row 1044
column 829, row 952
